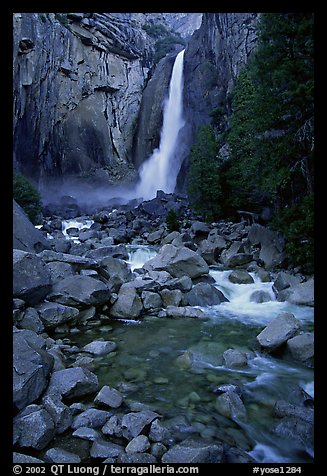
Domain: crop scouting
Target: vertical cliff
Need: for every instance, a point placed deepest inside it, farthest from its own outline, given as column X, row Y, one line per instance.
column 213, row 59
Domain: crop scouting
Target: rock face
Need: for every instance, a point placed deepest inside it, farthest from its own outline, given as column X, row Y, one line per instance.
column 213, row 59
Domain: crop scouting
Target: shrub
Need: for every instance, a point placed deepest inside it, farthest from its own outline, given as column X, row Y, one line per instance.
column 172, row 221
column 27, row 196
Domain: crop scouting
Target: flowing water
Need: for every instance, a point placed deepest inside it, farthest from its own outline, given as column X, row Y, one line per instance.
column 147, row 367
column 160, row 171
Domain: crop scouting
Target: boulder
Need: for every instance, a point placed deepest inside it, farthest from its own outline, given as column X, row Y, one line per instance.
column 53, row 314
column 86, row 433
column 61, row 414
column 58, row 455
column 33, row 427
column 116, row 251
column 136, row 458
column 284, row 280
column 178, row 262
column 109, row 397
column 156, row 236
column 133, row 423
column 185, row 311
column 25, row 236
column 260, row 296
column 21, row 458
column 194, row 451
column 170, row 237
column 264, row 275
column 271, row 245
column 278, row 331
column 240, row 276
column 73, row 382
column 184, row 284
column 151, row 300
column 301, row 295
column 234, row 358
column 105, row 449
column 99, row 347
column 79, row 262
column 115, row 271
column 171, row 297
column 31, row 367
column 231, row 406
column 301, row 348
column 159, row 433
column 59, row 270
column 200, row 228
column 204, row 294
column 139, row 444
column 239, row 260
column 91, row 418
column 31, row 278
column 128, row 305
column 29, row 319
column 210, row 250
column 80, row 291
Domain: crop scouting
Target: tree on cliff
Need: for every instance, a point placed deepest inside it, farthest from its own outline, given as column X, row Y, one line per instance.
column 204, row 178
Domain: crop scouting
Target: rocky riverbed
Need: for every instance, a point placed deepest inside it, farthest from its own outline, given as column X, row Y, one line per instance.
column 129, row 346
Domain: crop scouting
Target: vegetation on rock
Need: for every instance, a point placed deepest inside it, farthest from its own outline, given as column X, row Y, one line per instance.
column 27, row 196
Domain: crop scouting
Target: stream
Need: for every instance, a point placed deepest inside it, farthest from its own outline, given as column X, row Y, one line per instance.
column 148, row 366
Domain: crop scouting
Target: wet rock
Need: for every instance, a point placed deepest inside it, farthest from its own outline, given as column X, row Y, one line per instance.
column 58, row 455
column 105, row 449
column 109, row 397
column 194, row 451
column 99, row 347
column 32, row 366
column 185, row 311
column 236, row 455
column 139, row 444
column 301, row 348
column 229, row 387
column 80, row 291
column 286, row 409
column 260, row 296
column 128, row 305
column 264, row 275
column 133, row 423
column 73, row 382
column 297, row 430
column 278, row 331
column 240, row 276
column 31, row 278
column 231, row 406
column 285, row 280
column 234, row 358
column 54, row 314
column 185, row 360
column 204, row 294
column 33, row 427
column 184, row 284
column 178, row 262
column 91, row 418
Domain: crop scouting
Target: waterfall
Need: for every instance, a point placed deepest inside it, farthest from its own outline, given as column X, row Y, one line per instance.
column 160, row 171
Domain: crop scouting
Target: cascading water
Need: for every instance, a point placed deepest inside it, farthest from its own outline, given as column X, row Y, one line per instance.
column 160, row 171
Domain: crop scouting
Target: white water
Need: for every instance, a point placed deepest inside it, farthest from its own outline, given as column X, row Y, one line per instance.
column 241, row 308
column 138, row 255
column 75, row 223
column 160, row 171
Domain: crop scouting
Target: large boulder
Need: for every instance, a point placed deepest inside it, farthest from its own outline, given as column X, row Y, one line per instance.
column 210, row 250
column 278, row 331
column 53, row 314
column 204, row 294
column 73, row 382
column 240, row 276
column 25, row 236
column 128, row 305
column 31, row 278
column 31, row 367
column 33, row 427
column 194, row 451
column 301, row 348
column 80, row 291
column 178, row 262
column 301, row 294
column 231, row 406
column 271, row 245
